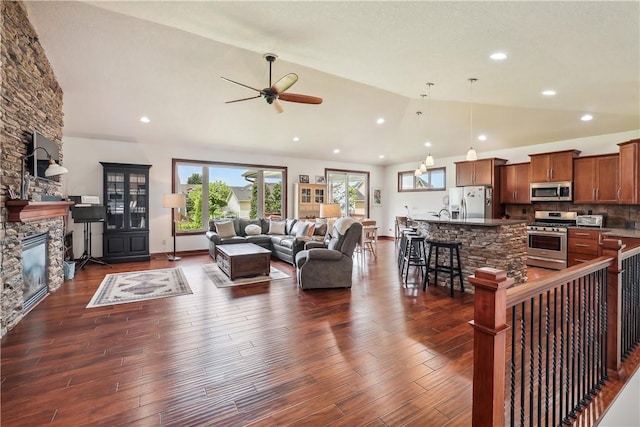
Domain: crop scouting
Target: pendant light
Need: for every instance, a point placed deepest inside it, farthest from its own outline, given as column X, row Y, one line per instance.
column 429, row 160
column 471, row 154
column 422, row 168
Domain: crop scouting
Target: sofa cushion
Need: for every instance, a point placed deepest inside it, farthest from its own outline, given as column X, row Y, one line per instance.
column 287, row 243
column 277, row 239
column 311, row 226
column 260, row 239
column 276, row 227
column 290, row 223
column 299, row 229
column 252, row 230
column 225, row 229
column 242, row 225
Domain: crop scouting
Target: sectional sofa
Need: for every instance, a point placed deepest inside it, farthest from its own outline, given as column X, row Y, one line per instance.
column 284, row 238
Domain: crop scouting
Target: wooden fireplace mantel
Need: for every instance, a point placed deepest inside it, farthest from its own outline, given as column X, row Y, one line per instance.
column 29, row 210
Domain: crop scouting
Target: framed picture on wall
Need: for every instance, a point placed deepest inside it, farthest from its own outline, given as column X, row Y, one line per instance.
column 320, row 179
column 376, row 197
column 304, row 179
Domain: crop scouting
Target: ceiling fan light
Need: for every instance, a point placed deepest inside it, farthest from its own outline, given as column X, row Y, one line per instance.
column 472, row 155
column 429, row 160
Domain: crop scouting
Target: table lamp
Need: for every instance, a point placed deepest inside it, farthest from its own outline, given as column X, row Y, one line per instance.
column 330, row 211
column 174, row 201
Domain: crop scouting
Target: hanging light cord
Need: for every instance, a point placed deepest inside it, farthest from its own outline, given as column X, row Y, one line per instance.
column 471, row 80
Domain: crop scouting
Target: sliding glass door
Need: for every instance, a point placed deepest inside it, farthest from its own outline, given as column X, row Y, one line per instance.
column 350, row 189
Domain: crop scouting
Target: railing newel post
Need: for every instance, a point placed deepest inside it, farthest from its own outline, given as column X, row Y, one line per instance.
column 489, row 345
column 613, row 248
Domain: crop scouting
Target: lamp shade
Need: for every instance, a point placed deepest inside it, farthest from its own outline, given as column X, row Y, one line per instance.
column 55, row 169
column 174, row 201
column 330, row 210
column 471, row 154
column 429, row 160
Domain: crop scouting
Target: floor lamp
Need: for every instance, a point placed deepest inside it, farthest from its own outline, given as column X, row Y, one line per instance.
column 174, row 201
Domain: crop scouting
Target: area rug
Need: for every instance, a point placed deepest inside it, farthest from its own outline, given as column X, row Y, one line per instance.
column 221, row 280
column 136, row 286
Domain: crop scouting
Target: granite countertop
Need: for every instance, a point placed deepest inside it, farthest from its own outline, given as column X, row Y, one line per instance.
column 483, row 222
column 622, row 232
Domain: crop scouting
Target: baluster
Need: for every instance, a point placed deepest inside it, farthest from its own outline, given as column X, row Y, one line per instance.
column 539, row 358
column 531, row 360
column 547, row 365
column 512, row 374
column 523, row 346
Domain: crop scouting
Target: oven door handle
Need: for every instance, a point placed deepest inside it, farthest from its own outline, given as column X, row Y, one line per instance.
column 546, row 233
column 545, row 259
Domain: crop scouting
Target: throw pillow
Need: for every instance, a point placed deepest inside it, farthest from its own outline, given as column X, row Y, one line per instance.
column 276, row 227
column 311, row 229
column 252, row 230
column 225, row 229
column 321, row 229
column 302, row 229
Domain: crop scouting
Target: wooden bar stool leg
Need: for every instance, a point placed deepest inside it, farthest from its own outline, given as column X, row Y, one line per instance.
column 426, row 276
column 451, row 275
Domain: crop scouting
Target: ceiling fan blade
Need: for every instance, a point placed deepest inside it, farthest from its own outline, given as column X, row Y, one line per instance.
column 243, row 99
column 303, row 99
column 240, row 84
column 278, row 106
column 285, row 83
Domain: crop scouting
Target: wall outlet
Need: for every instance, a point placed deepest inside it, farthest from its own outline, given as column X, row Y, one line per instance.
column 164, row 243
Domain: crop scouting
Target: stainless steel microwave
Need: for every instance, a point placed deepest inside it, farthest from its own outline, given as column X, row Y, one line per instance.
column 551, row 191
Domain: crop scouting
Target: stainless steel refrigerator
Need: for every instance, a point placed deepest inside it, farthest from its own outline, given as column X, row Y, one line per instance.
column 470, row 202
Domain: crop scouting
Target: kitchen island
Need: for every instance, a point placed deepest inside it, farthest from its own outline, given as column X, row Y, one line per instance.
column 496, row 243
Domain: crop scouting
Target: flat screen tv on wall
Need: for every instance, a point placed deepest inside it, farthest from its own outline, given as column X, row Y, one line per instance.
column 39, row 162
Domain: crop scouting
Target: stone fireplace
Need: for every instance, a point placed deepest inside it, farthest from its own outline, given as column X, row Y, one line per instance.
column 31, row 101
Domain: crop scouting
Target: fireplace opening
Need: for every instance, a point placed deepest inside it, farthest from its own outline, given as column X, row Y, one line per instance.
column 35, row 284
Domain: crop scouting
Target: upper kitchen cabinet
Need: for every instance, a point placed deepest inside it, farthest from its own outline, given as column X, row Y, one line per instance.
column 478, row 172
column 514, row 183
column 596, row 179
column 629, row 175
column 551, row 167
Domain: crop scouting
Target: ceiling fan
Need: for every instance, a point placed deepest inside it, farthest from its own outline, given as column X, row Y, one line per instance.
column 276, row 91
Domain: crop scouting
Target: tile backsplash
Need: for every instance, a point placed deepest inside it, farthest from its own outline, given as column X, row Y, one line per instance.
column 615, row 216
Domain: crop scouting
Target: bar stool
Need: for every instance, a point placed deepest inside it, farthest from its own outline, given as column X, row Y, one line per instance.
column 450, row 269
column 403, row 246
column 415, row 251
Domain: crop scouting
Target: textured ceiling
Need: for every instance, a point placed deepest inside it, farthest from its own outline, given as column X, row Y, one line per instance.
column 117, row 61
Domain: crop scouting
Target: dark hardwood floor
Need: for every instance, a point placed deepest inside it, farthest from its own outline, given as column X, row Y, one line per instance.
column 380, row 354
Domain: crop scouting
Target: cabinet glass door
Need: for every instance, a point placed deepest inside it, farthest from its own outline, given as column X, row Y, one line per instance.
column 137, row 201
column 115, row 200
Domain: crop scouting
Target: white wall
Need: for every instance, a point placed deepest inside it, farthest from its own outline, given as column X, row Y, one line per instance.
column 82, row 157
column 420, row 203
column 625, row 409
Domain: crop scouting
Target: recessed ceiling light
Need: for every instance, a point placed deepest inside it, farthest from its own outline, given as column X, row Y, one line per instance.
column 296, row 139
column 145, row 119
column 380, row 121
column 482, row 137
column 586, row 117
column 336, row 151
column 427, row 144
column 381, row 156
column 498, row 56
column 549, row 92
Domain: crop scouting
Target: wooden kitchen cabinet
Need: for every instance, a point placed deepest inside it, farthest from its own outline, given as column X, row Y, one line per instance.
column 596, row 179
column 629, row 173
column 478, row 172
column 307, row 199
column 553, row 167
column 514, row 183
column 583, row 245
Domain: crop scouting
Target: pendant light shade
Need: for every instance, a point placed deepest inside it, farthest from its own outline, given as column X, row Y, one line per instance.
column 418, row 172
column 471, row 154
column 429, row 160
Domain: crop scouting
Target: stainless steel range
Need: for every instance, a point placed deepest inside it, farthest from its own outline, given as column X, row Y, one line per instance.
column 547, row 239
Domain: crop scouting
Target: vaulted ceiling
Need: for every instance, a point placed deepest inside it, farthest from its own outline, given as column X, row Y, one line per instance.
column 117, row 61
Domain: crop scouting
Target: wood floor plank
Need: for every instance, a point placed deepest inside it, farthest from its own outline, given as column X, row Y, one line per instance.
column 269, row 354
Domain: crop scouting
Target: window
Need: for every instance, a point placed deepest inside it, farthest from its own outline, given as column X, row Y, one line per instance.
column 350, row 189
column 432, row 180
column 227, row 190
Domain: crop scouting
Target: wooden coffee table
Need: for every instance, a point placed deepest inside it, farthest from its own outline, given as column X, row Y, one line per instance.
column 243, row 259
